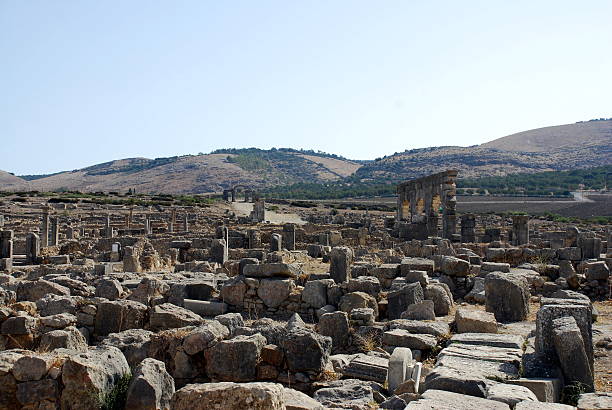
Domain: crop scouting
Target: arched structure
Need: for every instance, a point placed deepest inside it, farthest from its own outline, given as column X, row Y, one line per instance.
column 420, row 201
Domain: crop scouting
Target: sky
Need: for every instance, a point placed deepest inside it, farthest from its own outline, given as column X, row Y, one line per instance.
column 84, row 82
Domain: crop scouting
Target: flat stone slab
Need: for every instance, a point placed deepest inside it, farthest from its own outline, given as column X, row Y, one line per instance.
column 269, row 270
column 366, row 367
column 490, row 339
column 418, row 326
column 443, row 400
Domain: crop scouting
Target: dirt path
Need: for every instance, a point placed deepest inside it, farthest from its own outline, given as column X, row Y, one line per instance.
column 245, row 208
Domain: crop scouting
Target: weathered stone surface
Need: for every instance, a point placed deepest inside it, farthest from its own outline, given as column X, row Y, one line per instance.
column 269, row 270
column 306, row 350
column 531, row 405
column 403, row 338
column 452, row 266
column 235, row 359
column 571, row 352
column 204, row 337
column 19, row 325
column 544, row 326
column 68, row 338
column 420, row 276
column 414, row 326
column 348, row 393
column 34, row 290
column 233, row 291
column 58, row 321
column 133, row 343
column 54, row 304
column 273, row 292
column 445, row 400
column 231, row 320
column 32, row 367
column 441, row 297
column 274, row 332
column 355, row 300
column 489, row 339
column 475, row 321
column 119, row 315
column 90, row 375
column 420, row 311
column 33, row 392
column 341, row 258
column 597, row 271
column 510, row 394
column 109, row 289
column 477, row 294
column 545, row 389
column 336, row 326
column 507, row 296
column 400, row 299
column 599, row 400
column 367, row 367
column 296, row 400
column 151, row 387
column 367, row 284
column 400, row 367
column 229, row 396
column 168, row 316
column 315, row 292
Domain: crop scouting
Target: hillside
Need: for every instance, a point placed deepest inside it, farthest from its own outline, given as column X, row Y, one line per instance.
column 200, row 173
column 9, row 182
column 581, row 145
column 592, row 133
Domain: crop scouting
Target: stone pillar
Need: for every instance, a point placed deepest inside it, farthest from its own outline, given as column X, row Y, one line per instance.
column 254, row 239
column 289, row 237
column 218, row 251
column 324, row 239
column 468, row 228
column 108, row 229
column 54, row 237
column 69, row 232
column 32, row 248
column 186, row 223
column 340, row 258
column 115, row 255
column 44, row 229
column 148, row 229
column 1, row 221
column 6, row 244
column 130, row 220
column 222, row 233
column 233, row 192
column 362, row 236
column 276, row 242
column 259, row 211
column 520, row 229
column 591, row 247
column 172, row 220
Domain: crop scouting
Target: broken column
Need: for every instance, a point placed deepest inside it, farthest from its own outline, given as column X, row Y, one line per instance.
column 254, row 239
column 520, row 229
column 32, row 248
column 571, row 352
column 289, row 237
column 219, row 251
column 186, row 223
column 6, row 244
column 54, row 231
column 259, row 211
column 44, row 229
column 468, row 228
column 341, row 258
column 276, row 242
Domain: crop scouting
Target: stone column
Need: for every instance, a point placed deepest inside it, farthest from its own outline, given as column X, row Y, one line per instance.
column 108, row 230
column 520, row 229
column 186, row 223
column 324, row 239
column 172, row 220
column 340, row 258
column 32, row 247
column 44, row 230
column 254, row 239
column 1, row 221
column 468, row 226
column 289, row 237
column 6, row 244
column 276, row 242
column 233, row 192
column 54, row 237
column 218, row 251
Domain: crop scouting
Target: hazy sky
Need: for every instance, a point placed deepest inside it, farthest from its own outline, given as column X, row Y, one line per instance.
column 83, row 82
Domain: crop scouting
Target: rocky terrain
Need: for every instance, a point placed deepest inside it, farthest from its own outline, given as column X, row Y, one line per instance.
column 198, row 307
column 563, row 147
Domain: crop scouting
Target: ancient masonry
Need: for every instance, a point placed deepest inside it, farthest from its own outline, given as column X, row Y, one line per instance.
column 192, row 307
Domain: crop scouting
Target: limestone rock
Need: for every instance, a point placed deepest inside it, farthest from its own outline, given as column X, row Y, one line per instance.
column 151, row 387
column 229, row 396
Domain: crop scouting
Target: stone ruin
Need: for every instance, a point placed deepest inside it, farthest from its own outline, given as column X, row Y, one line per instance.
column 194, row 308
column 420, row 203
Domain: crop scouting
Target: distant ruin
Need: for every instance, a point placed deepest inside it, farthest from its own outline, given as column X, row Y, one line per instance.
column 421, row 201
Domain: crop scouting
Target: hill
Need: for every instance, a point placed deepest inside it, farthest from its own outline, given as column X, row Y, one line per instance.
column 564, row 147
column 10, row 182
column 200, row 173
column 592, row 133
